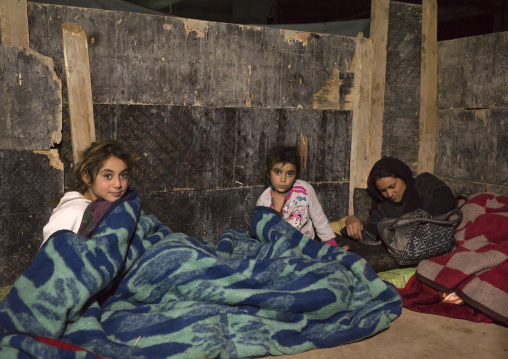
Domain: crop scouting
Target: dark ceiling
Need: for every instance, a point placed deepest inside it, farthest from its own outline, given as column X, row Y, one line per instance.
column 456, row 18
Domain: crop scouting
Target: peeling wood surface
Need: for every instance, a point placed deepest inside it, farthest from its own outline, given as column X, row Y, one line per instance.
column 337, row 94
column 31, row 105
column 79, row 88
column 144, row 59
column 54, row 158
column 14, row 23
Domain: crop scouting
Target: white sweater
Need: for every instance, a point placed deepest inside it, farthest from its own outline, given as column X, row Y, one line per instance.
column 302, row 210
column 67, row 215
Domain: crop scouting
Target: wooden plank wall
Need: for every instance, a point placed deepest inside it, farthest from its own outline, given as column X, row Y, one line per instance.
column 401, row 120
column 31, row 173
column 472, row 114
column 386, row 121
column 200, row 103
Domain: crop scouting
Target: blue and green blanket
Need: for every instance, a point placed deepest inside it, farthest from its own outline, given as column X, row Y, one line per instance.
column 135, row 289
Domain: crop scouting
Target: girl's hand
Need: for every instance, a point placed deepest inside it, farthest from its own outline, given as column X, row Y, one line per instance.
column 278, row 201
column 354, row 227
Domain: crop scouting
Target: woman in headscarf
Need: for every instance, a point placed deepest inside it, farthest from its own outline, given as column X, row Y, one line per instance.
column 395, row 192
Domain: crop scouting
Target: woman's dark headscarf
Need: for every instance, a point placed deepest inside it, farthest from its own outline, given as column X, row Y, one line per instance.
column 410, row 200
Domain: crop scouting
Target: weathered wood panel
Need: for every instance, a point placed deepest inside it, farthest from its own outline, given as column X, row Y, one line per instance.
column 380, row 13
column 473, row 72
column 361, row 127
column 200, row 103
column 192, row 156
column 472, row 146
column 29, row 182
column 206, row 148
column 208, row 214
column 428, row 88
column 402, row 95
column 136, row 58
column 13, row 23
column 79, row 89
column 27, row 119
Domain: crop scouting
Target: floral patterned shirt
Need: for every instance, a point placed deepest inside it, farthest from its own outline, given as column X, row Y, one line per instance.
column 302, row 210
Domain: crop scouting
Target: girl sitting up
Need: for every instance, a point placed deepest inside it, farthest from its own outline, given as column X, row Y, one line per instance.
column 293, row 198
column 100, row 178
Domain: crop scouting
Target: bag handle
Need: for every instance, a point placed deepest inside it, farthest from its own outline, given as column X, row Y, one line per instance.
column 441, row 219
column 461, row 197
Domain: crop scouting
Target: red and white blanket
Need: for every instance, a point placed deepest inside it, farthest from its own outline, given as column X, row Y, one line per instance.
column 477, row 270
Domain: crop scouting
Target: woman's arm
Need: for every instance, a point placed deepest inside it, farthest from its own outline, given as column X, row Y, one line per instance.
column 443, row 201
column 354, row 227
column 436, row 196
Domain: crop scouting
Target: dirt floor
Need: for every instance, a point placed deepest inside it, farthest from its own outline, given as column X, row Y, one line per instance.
column 415, row 335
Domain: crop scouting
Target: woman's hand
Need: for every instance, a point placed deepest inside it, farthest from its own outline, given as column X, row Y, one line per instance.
column 278, row 201
column 354, row 227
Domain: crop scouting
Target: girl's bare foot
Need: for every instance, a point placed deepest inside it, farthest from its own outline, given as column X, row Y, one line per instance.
column 452, row 298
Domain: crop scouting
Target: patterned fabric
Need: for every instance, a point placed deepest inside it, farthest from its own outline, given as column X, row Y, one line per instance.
column 476, row 270
column 417, row 235
column 137, row 290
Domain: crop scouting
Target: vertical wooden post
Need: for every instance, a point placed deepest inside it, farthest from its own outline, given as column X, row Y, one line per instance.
column 379, row 36
column 369, row 98
column 14, row 23
column 360, row 141
column 79, row 88
column 428, row 89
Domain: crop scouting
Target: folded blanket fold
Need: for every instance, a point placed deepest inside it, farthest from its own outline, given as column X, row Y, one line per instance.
column 135, row 289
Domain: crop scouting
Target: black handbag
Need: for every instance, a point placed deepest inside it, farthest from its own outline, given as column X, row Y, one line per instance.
column 417, row 235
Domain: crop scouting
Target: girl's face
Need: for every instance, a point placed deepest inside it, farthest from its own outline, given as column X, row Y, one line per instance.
column 282, row 176
column 110, row 183
column 391, row 188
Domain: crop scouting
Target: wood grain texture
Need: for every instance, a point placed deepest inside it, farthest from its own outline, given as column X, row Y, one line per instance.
column 14, row 23
column 428, row 92
column 79, row 88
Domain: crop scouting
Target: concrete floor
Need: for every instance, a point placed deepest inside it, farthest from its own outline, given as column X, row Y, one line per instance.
column 415, row 336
